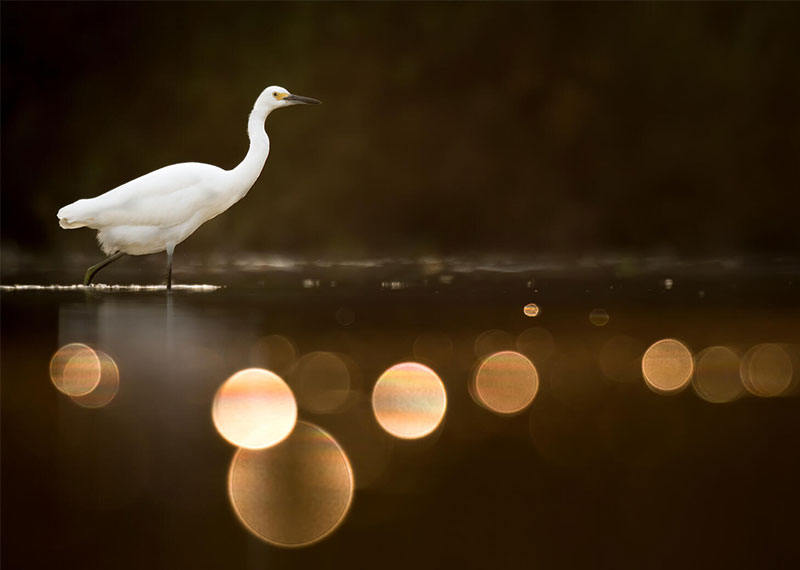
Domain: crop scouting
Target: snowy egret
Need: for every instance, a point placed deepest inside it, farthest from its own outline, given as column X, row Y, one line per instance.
column 159, row 210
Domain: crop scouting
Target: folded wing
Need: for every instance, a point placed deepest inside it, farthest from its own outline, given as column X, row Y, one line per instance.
column 163, row 198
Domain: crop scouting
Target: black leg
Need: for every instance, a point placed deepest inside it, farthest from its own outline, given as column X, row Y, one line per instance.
column 90, row 273
column 170, row 251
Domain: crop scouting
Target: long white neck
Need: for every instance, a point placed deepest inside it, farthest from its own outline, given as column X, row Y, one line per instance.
column 247, row 172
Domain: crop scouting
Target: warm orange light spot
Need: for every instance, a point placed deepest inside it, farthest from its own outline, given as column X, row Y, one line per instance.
column 293, row 494
column 716, row 375
column 274, row 352
column 667, row 366
column 531, row 310
column 106, row 389
column 75, row 369
column 766, row 370
column 493, row 340
column 409, row 400
column 321, row 381
column 536, row 343
column 254, row 408
column 599, row 317
column 506, row 382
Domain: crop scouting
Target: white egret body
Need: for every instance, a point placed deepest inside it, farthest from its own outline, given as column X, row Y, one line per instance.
column 159, row 210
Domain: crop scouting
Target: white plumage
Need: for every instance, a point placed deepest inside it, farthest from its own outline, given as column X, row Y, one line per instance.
column 159, row 210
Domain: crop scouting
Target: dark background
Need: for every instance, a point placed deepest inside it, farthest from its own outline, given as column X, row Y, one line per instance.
column 446, row 128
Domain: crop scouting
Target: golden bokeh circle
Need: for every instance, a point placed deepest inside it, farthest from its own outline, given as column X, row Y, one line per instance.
column 106, row 389
column 766, row 370
column 75, row 369
column 536, row 343
column 254, row 409
column 599, row 317
column 531, row 310
column 409, row 400
column 667, row 366
column 716, row 375
column 293, row 494
column 345, row 316
column 273, row 352
column 321, row 381
column 506, row 382
column 491, row 341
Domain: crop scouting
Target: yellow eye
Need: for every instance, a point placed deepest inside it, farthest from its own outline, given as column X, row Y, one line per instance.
column 275, row 94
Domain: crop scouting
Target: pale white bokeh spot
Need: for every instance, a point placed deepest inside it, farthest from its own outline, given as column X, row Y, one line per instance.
column 254, row 409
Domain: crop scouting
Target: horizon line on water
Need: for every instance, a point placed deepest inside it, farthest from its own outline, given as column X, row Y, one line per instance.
column 104, row 287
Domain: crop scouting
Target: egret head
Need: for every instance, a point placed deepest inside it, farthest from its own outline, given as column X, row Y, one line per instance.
column 275, row 97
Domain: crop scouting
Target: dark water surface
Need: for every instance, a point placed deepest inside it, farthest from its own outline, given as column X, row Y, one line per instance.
column 599, row 472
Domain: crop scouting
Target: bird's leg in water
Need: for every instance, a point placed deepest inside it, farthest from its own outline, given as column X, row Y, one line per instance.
column 90, row 273
column 170, row 251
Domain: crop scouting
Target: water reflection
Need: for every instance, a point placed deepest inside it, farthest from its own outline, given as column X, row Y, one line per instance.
column 112, row 288
column 591, row 408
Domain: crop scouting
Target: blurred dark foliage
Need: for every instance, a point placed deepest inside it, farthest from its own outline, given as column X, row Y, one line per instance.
column 445, row 128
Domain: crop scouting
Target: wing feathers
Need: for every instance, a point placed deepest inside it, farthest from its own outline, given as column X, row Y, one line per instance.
column 163, row 198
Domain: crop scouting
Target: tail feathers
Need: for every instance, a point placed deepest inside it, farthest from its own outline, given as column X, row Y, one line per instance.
column 67, row 225
column 66, row 219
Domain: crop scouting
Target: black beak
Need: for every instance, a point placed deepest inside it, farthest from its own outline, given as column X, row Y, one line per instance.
column 300, row 100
